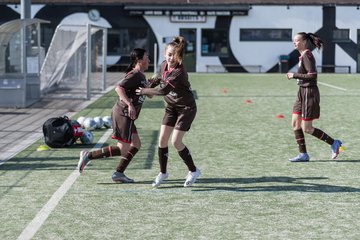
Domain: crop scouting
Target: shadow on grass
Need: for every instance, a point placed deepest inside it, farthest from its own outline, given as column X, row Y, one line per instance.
column 134, row 183
column 273, row 184
column 14, row 113
column 39, row 163
column 167, row 184
column 335, row 161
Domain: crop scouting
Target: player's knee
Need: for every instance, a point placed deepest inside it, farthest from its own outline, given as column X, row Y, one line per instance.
column 163, row 143
column 308, row 130
column 178, row 144
column 137, row 145
column 296, row 122
column 136, row 141
column 174, row 143
column 295, row 126
column 124, row 148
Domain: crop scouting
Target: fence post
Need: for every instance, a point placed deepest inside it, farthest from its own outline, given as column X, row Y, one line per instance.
column 155, row 58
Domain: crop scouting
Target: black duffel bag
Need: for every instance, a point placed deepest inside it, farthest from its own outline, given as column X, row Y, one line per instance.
column 58, row 132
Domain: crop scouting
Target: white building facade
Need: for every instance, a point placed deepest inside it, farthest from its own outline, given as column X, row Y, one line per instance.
column 220, row 37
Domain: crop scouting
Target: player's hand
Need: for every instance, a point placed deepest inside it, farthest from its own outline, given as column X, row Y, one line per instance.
column 138, row 91
column 290, row 75
column 131, row 112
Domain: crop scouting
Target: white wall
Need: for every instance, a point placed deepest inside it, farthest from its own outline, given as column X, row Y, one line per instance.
column 308, row 19
column 162, row 27
column 298, row 18
column 347, row 18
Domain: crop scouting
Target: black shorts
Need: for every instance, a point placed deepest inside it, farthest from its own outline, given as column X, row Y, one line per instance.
column 307, row 103
column 123, row 128
column 179, row 117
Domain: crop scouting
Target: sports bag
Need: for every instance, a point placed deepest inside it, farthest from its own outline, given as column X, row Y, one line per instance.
column 58, row 132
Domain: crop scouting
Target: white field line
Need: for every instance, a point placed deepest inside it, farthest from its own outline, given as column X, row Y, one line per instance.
column 332, row 86
column 44, row 213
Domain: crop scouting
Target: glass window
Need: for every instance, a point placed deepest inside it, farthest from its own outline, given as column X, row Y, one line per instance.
column 261, row 34
column 122, row 41
column 46, row 35
column 11, row 49
column 341, row 35
column 214, row 42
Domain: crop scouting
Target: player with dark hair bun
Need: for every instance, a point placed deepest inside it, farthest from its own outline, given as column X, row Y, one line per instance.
column 124, row 113
column 180, row 109
column 307, row 104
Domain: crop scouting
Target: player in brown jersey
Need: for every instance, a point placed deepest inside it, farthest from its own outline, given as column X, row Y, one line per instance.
column 180, row 109
column 124, row 113
column 307, row 104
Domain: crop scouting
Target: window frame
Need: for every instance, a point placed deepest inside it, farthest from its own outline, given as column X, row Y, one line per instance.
column 340, row 39
column 222, row 45
column 267, row 36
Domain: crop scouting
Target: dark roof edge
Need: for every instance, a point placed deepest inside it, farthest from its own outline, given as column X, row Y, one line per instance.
column 214, row 7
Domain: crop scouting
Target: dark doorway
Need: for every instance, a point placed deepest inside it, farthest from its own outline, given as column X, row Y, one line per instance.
column 190, row 48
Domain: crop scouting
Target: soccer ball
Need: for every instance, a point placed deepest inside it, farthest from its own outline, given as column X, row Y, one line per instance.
column 99, row 122
column 81, row 120
column 107, row 121
column 87, row 137
column 89, row 124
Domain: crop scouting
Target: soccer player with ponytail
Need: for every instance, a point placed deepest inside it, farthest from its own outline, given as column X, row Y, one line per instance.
column 124, row 113
column 180, row 109
column 307, row 104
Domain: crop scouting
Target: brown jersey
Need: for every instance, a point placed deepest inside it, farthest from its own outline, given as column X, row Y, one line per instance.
column 174, row 84
column 132, row 81
column 307, row 74
column 307, row 102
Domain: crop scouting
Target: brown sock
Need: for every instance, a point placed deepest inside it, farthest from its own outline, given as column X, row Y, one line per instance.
column 186, row 157
column 300, row 140
column 323, row 136
column 163, row 154
column 105, row 152
column 124, row 161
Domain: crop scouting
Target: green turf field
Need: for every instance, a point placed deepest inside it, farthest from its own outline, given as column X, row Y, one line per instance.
column 248, row 189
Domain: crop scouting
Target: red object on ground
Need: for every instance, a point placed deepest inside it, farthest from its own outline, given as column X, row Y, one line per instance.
column 248, row 101
column 224, row 90
column 280, row 116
